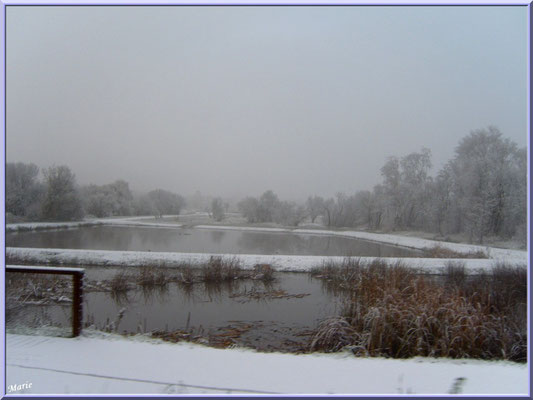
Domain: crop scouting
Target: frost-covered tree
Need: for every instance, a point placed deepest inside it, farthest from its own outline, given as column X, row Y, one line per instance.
column 392, row 189
column 268, row 203
column 107, row 200
column 61, row 200
column 260, row 210
column 165, row 202
column 123, row 197
column 364, row 203
column 24, row 193
column 97, row 201
column 442, row 200
column 217, row 209
column 415, row 183
column 289, row 213
column 248, row 208
column 486, row 179
column 406, row 185
column 315, row 207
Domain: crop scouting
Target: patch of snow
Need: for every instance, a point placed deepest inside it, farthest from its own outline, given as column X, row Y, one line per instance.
column 109, row 363
column 47, row 225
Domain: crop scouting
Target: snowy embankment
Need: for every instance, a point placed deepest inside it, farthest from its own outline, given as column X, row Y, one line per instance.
column 248, row 261
column 105, row 363
column 126, row 221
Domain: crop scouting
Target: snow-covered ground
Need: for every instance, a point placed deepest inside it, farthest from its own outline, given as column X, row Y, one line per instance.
column 286, row 263
column 121, row 221
column 104, row 363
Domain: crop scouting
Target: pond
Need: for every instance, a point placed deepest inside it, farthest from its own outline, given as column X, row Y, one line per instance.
column 266, row 316
column 203, row 241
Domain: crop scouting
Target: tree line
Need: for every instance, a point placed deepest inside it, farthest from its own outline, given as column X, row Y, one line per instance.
column 481, row 191
column 57, row 197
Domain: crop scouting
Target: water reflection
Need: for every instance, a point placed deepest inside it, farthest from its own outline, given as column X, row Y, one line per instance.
column 211, row 306
column 202, row 241
column 217, row 236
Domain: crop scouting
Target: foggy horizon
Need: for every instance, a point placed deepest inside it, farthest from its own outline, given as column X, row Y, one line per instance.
column 236, row 101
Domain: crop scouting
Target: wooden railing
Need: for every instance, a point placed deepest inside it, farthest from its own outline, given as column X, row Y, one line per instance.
column 77, row 291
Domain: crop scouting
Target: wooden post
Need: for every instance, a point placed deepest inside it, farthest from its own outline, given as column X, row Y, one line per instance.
column 77, row 304
column 77, row 292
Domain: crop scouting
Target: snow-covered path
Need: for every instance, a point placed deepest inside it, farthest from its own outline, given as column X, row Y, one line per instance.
column 103, row 363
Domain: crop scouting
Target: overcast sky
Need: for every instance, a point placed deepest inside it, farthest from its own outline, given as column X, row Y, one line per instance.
column 233, row 101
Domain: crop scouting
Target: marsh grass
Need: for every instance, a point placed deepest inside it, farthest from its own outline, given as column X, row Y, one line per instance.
column 120, row 282
column 220, row 269
column 394, row 311
column 217, row 270
column 153, row 276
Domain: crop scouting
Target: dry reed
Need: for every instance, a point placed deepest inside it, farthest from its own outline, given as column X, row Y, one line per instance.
column 394, row 311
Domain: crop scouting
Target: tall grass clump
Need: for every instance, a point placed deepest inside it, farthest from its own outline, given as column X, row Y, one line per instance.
column 393, row 311
column 152, row 276
column 186, row 275
column 220, row 269
column 120, row 282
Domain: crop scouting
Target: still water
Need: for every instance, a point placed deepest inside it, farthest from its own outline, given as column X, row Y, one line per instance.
column 203, row 241
column 274, row 322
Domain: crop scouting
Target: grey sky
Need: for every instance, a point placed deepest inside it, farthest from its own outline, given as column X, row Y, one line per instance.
column 237, row 100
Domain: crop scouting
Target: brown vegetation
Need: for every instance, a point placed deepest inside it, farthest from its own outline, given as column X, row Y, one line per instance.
column 443, row 252
column 394, row 311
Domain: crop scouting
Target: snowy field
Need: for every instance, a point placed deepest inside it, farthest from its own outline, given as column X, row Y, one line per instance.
column 104, row 363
